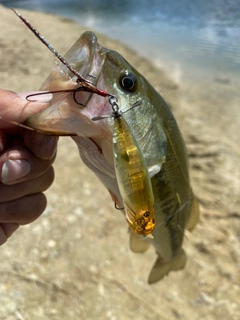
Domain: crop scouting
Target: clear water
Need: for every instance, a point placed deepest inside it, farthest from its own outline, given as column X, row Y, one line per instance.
column 186, row 37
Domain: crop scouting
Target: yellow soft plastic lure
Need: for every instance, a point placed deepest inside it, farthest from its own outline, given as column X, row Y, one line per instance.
column 132, row 175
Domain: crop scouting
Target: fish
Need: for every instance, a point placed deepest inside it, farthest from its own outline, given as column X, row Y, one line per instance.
column 153, row 126
column 132, row 174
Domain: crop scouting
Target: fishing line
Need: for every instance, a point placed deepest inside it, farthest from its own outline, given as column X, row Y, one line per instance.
column 173, row 214
column 80, row 79
column 60, row 69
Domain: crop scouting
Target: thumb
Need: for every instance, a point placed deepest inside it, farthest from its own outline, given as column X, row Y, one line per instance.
column 15, row 107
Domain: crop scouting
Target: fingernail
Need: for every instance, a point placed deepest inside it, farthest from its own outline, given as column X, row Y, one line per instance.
column 15, row 169
column 37, row 96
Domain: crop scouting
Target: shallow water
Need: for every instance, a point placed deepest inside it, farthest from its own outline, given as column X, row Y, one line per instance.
column 187, row 38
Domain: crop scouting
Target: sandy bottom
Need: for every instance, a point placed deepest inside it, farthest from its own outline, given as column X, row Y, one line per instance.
column 75, row 261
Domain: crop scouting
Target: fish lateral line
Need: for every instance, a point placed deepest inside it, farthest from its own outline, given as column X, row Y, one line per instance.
column 80, row 79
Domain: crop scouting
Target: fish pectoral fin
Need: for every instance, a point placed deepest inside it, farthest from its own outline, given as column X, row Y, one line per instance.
column 153, row 170
column 161, row 268
column 194, row 214
column 137, row 244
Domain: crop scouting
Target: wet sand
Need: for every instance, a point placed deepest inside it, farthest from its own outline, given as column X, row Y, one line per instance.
column 74, row 262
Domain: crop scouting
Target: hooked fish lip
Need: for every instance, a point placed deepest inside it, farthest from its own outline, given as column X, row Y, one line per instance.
column 65, row 115
column 87, row 58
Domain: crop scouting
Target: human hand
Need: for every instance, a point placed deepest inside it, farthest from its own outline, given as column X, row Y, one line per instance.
column 26, row 159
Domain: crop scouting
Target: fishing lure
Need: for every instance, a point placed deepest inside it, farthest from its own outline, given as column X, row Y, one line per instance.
column 85, row 85
column 132, row 174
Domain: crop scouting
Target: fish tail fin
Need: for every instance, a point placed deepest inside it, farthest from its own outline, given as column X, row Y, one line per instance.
column 194, row 214
column 137, row 244
column 161, row 269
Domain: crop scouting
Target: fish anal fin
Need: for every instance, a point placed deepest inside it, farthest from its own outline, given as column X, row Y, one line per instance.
column 161, row 268
column 137, row 244
column 194, row 214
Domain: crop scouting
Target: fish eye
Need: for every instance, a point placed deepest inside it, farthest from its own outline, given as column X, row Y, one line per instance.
column 128, row 81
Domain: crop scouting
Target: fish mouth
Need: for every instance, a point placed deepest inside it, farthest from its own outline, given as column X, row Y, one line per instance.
column 66, row 117
column 85, row 57
column 68, row 113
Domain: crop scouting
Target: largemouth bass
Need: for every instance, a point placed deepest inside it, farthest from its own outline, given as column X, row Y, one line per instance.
column 152, row 125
